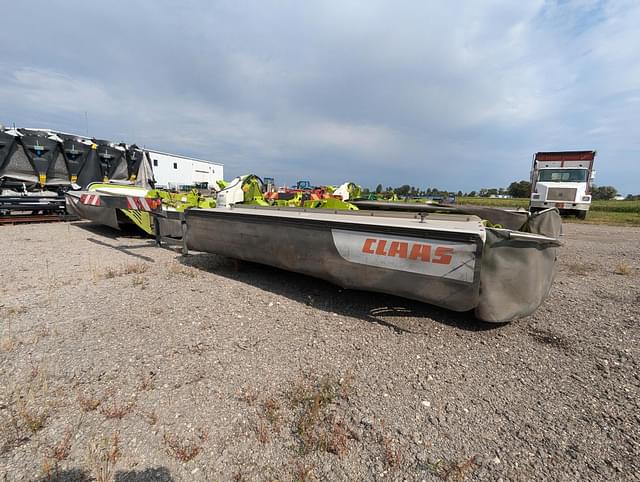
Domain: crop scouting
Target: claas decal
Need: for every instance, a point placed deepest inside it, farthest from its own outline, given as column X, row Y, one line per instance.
column 416, row 251
column 431, row 257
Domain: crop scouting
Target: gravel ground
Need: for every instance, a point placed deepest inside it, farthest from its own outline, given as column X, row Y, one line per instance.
column 120, row 360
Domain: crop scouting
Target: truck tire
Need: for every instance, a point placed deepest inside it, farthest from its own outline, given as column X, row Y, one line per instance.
column 582, row 215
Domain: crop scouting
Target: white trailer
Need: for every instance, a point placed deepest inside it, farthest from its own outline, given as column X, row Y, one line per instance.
column 172, row 171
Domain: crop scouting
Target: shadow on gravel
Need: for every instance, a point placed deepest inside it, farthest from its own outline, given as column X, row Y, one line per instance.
column 129, row 232
column 71, row 475
column 160, row 474
column 399, row 314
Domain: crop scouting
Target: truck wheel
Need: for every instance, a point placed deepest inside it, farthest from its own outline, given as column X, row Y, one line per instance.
column 581, row 215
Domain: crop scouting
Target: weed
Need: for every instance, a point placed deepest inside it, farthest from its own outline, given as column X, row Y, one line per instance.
column 338, row 441
column 116, row 409
column 8, row 343
column 41, row 332
column 61, row 450
column 33, row 420
column 89, row 403
column 147, row 381
column 136, row 268
column 15, row 310
column 622, row 269
column 456, row 471
column 302, row 472
column 238, row 476
column 580, row 269
column 271, row 409
column 103, row 457
column 182, row 449
column 548, row 337
column 262, row 432
column 13, row 433
column 391, row 453
column 132, row 268
column 138, row 281
column 247, row 395
column 111, row 272
column 178, row 269
column 50, row 470
column 315, row 427
column 56, row 454
column 150, row 417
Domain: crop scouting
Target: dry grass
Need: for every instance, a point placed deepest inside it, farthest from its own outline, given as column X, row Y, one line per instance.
column 271, row 410
column 103, row 456
column 151, row 418
column 457, row 471
column 178, row 269
column 55, row 454
column 8, row 311
column 129, row 268
column 580, row 269
column 338, row 441
column 8, row 343
column 147, row 381
column 20, row 423
column 622, row 269
column 262, row 431
column 88, row 403
column 302, row 472
column 115, row 409
column 34, row 419
column 391, row 452
column 138, row 281
column 25, row 408
column 247, row 395
column 183, row 449
column 315, row 426
column 60, row 451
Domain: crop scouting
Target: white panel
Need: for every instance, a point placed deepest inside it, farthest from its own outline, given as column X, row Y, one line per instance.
column 445, row 259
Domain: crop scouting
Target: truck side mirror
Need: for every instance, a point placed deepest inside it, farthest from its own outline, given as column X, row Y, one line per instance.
column 593, row 175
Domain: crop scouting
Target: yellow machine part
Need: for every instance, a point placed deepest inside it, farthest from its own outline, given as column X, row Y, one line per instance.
column 140, row 218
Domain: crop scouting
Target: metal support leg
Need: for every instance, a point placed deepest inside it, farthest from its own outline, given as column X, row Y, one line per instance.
column 183, row 224
column 156, row 230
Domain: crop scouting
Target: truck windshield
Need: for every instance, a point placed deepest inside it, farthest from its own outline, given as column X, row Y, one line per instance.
column 563, row 175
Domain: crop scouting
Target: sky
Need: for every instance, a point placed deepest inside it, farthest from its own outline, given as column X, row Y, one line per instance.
column 453, row 95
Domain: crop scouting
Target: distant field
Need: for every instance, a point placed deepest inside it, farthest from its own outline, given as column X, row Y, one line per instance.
column 601, row 212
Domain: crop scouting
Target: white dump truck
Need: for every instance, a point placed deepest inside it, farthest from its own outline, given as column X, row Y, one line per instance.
column 562, row 180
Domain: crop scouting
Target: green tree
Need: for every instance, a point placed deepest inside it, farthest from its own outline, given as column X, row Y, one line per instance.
column 473, row 194
column 403, row 190
column 603, row 193
column 379, row 188
column 519, row 189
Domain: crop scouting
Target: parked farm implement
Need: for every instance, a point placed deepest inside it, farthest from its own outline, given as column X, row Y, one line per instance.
column 498, row 263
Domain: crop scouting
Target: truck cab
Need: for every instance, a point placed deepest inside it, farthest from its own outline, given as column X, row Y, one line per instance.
column 562, row 180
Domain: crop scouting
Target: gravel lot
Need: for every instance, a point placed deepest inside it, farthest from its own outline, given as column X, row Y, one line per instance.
column 120, row 360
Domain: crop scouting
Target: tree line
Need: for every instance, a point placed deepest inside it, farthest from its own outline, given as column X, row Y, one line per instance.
column 517, row 189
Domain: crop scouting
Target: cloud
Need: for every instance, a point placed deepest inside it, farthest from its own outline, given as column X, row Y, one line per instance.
column 36, row 88
column 443, row 95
